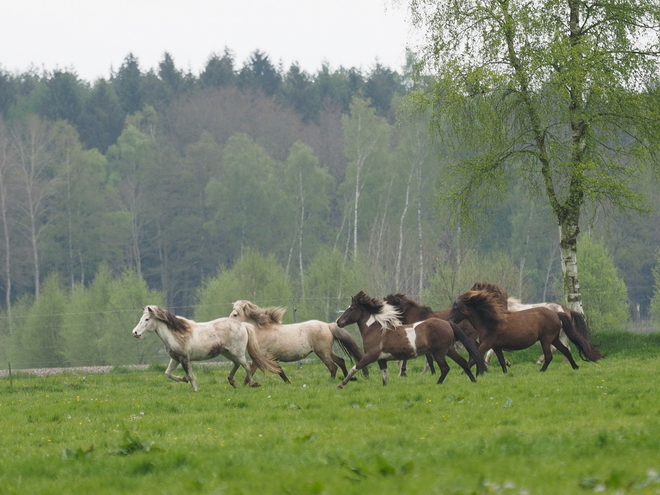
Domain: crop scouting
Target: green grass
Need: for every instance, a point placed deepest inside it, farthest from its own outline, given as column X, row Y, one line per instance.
column 596, row 429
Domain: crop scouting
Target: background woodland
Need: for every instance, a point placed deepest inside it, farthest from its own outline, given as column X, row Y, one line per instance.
column 258, row 182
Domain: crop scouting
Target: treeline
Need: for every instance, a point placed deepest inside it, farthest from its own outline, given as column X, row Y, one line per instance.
column 98, row 110
column 175, row 177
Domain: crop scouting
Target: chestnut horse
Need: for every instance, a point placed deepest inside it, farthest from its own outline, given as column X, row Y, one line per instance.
column 290, row 343
column 500, row 329
column 386, row 339
column 187, row 340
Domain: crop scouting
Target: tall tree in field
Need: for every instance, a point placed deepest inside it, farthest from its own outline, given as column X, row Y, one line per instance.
column 551, row 93
column 307, row 186
column 5, row 202
column 365, row 135
column 34, row 142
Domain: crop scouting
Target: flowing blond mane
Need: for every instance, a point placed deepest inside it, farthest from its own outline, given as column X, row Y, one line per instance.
column 263, row 317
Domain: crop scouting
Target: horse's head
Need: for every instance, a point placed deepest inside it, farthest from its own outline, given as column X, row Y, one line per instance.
column 363, row 308
column 411, row 311
column 481, row 304
column 251, row 313
column 499, row 294
column 147, row 323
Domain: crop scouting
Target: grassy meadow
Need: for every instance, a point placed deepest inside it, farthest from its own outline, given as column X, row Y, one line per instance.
column 593, row 430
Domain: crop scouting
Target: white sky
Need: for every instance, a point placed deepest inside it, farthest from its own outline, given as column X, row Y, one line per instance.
column 92, row 37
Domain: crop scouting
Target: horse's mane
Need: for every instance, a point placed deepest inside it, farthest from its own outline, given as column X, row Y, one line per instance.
column 263, row 317
column 404, row 303
column 173, row 322
column 487, row 304
column 386, row 315
column 493, row 289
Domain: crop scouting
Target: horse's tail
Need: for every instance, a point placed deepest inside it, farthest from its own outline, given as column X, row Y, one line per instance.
column 579, row 323
column 262, row 362
column 472, row 350
column 347, row 344
column 588, row 352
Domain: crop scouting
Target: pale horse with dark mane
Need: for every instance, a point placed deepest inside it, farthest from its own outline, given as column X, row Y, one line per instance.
column 186, row 340
column 293, row 342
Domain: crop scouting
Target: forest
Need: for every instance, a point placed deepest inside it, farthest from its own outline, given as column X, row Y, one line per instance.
column 265, row 183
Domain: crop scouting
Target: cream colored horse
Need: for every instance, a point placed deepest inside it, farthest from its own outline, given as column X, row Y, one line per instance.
column 187, row 340
column 293, row 342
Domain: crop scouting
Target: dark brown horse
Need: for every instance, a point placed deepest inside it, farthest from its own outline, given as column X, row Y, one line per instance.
column 412, row 311
column 500, row 329
column 386, row 339
column 513, row 304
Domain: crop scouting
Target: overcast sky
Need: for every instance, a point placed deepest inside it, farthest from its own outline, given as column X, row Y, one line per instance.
column 92, row 37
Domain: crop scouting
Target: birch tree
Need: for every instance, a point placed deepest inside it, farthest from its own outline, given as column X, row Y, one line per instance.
column 33, row 141
column 365, row 135
column 551, row 93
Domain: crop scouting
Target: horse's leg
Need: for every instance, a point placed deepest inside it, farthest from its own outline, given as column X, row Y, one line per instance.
column 248, row 373
column 402, row 367
column 230, row 377
column 250, row 370
column 429, row 364
column 326, row 357
column 341, row 363
column 566, row 352
column 364, row 362
column 460, row 360
column 382, row 364
column 489, row 356
column 172, row 366
column 500, row 358
column 187, row 367
column 547, row 353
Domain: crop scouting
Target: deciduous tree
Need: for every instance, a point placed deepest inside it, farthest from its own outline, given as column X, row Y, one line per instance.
column 550, row 93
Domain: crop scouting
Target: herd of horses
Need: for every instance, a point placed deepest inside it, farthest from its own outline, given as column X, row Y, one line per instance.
column 483, row 320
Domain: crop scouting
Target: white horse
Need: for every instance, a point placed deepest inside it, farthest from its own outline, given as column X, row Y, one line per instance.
column 187, row 340
column 293, row 342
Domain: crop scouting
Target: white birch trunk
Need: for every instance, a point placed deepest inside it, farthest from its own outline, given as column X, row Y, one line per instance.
column 569, row 267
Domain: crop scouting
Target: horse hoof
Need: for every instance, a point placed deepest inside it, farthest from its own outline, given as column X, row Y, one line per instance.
column 339, row 387
column 185, row 379
column 255, row 384
column 403, row 375
column 232, row 383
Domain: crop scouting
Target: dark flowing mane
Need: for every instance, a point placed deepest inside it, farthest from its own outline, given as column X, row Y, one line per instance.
column 487, row 305
column 371, row 304
column 493, row 289
column 405, row 303
column 385, row 314
column 263, row 317
column 172, row 321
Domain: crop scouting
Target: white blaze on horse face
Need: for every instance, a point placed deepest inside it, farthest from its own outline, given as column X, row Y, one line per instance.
column 142, row 327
